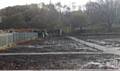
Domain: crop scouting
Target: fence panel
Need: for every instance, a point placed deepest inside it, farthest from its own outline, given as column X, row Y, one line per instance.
column 8, row 38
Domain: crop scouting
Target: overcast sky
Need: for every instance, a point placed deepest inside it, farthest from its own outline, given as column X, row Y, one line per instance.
column 6, row 3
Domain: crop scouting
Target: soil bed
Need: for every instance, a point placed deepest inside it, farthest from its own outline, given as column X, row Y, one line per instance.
column 57, row 44
column 49, row 61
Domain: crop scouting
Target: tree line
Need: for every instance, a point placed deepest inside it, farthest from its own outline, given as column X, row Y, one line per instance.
column 99, row 16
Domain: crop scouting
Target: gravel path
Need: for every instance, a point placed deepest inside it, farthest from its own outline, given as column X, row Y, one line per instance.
column 50, row 53
column 102, row 48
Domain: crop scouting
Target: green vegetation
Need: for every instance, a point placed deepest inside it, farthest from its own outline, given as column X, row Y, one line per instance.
column 99, row 16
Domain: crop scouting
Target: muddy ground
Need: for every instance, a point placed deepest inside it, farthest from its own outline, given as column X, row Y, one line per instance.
column 57, row 44
column 48, row 61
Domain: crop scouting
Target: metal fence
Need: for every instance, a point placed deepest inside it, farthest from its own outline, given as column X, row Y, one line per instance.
column 10, row 38
column 5, row 39
column 24, row 36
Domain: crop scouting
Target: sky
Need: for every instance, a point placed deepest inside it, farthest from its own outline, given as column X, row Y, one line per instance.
column 6, row 3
